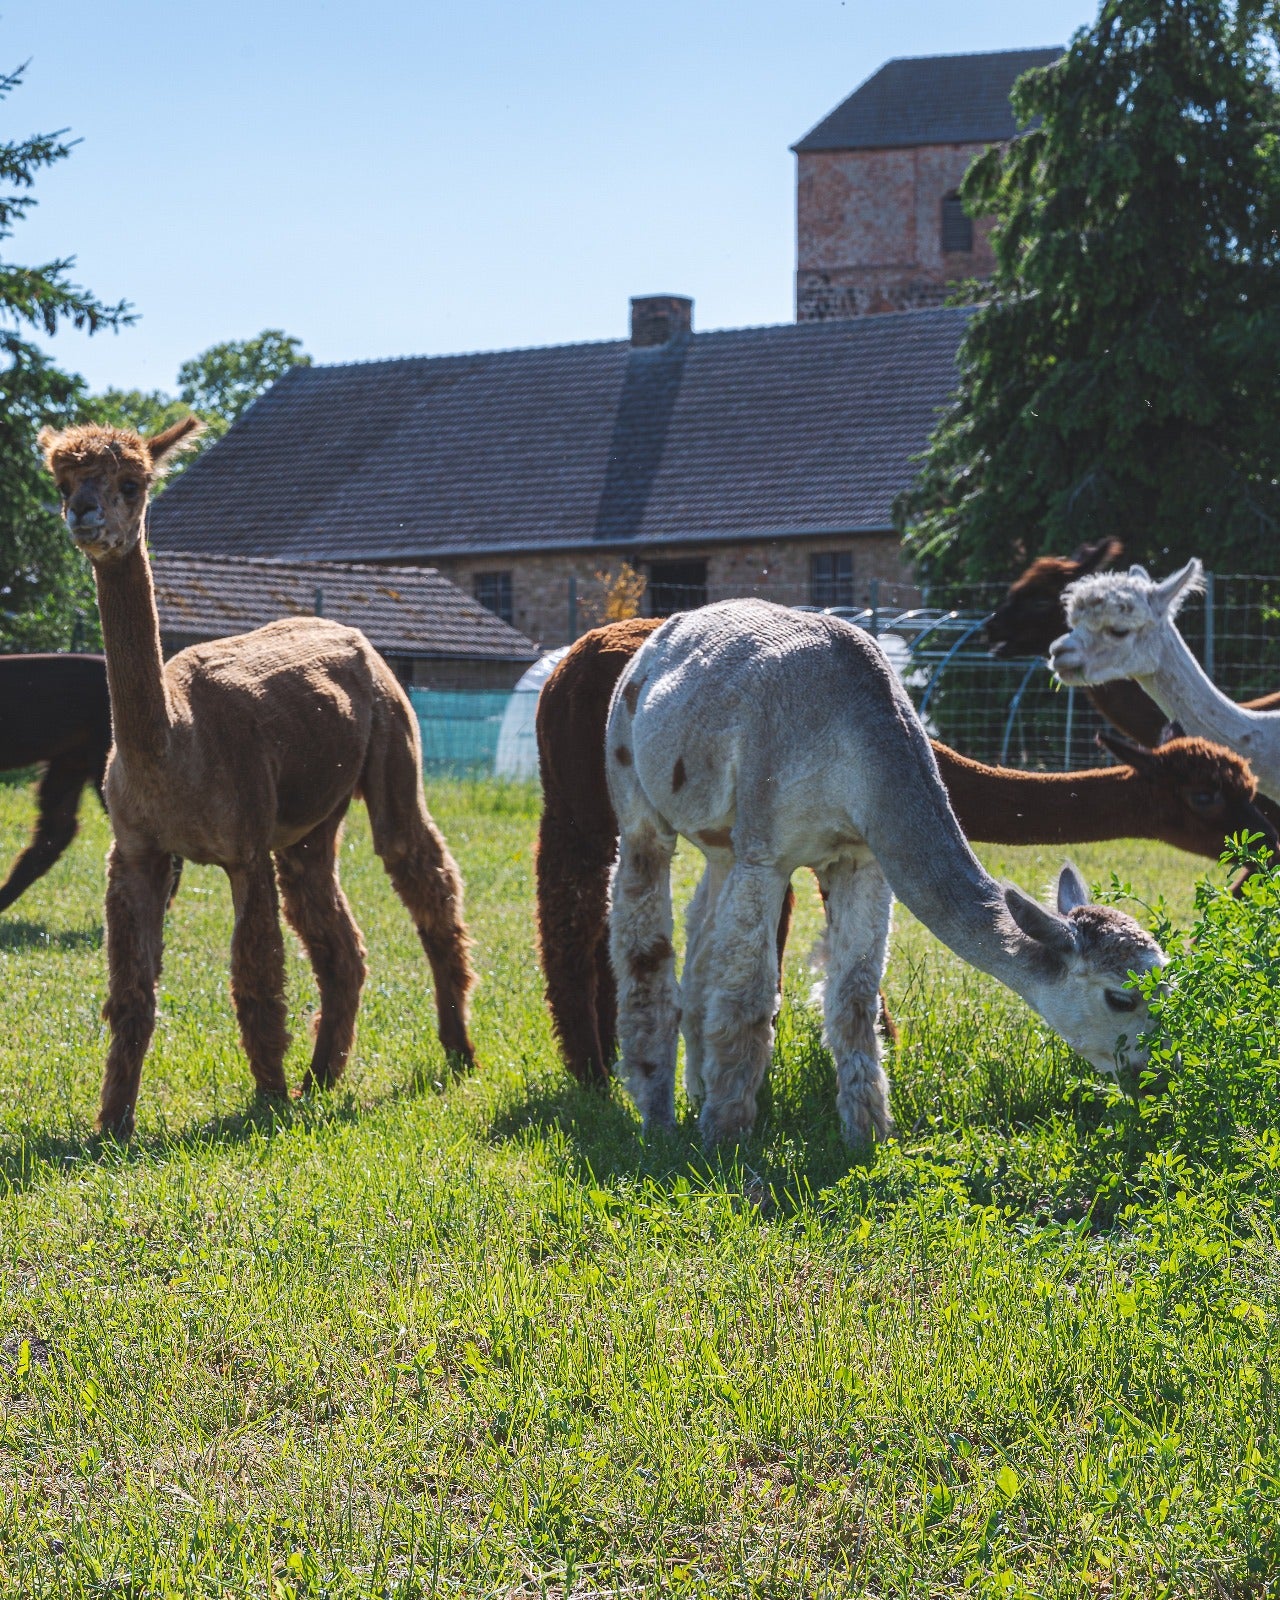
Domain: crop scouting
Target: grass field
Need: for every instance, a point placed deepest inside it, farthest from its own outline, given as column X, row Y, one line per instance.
column 476, row 1338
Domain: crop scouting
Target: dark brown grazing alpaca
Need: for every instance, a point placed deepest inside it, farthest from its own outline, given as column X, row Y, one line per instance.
column 234, row 753
column 1031, row 616
column 1187, row 793
column 54, row 710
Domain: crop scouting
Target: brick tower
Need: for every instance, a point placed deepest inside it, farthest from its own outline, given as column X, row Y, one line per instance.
column 879, row 223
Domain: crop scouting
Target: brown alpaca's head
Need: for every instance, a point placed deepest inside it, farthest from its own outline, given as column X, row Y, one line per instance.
column 1031, row 616
column 1207, row 793
column 104, row 475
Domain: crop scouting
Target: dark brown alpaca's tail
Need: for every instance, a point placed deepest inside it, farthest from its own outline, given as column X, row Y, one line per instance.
column 422, row 871
column 58, row 795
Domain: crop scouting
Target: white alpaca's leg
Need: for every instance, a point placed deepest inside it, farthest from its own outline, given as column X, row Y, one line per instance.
column 741, row 999
column 643, row 960
column 699, row 923
column 859, row 906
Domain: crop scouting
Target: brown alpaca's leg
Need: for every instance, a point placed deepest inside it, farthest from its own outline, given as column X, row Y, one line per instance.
column 58, row 796
column 573, row 939
column 422, row 871
column 136, row 890
column 257, row 974
column 319, row 914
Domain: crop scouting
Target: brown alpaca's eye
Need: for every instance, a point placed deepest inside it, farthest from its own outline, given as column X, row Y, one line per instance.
column 130, row 488
column 1205, row 799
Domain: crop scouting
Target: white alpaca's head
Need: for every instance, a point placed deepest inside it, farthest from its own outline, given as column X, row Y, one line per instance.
column 1117, row 623
column 1085, row 956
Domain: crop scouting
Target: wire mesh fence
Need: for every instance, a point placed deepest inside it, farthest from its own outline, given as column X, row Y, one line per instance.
column 1005, row 711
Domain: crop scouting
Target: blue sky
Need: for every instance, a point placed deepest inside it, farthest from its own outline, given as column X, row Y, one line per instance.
column 390, row 178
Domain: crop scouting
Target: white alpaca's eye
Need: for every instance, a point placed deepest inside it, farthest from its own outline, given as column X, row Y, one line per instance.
column 1119, row 633
column 1122, row 1000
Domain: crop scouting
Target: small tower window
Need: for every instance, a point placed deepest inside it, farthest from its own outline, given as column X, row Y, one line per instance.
column 957, row 226
column 493, row 591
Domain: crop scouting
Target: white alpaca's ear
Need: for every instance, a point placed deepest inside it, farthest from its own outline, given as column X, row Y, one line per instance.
column 1179, row 586
column 1137, row 570
column 1073, row 891
column 1039, row 923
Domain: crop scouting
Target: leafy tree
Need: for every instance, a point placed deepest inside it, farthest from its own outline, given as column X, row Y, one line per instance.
column 1123, row 376
column 226, row 379
column 42, row 580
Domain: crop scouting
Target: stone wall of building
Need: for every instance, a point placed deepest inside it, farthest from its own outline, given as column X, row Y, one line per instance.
column 779, row 569
column 869, row 230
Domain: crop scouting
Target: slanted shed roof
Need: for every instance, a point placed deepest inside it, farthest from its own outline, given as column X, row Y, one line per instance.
column 929, row 100
column 803, row 428
column 405, row 611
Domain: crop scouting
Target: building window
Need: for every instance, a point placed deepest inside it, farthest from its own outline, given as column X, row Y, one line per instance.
column 493, row 591
column 676, row 586
column 957, row 226
column 831, row 578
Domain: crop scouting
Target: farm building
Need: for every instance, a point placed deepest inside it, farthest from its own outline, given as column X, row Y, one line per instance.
column 433, row 635
column 761, row 458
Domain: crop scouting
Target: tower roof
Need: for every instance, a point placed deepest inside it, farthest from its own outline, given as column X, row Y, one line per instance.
column 929, row 100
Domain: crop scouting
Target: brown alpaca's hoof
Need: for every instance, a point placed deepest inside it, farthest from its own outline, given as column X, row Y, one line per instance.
column 118, row 1126
column 461, row 1062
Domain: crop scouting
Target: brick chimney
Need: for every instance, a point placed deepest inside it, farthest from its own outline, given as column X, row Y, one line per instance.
column 660, row 319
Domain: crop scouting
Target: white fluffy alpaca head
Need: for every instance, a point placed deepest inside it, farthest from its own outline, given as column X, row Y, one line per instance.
column 1117, row 623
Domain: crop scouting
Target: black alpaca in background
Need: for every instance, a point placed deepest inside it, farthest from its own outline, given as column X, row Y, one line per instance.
column 54, row 709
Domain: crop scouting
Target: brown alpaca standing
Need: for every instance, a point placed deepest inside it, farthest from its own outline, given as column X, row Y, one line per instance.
column 233, row 752
column 1187, row 793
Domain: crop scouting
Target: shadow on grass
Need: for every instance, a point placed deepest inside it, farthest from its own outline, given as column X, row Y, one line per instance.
column 34, row 935
column 33, row 1155
column 1043, row 1154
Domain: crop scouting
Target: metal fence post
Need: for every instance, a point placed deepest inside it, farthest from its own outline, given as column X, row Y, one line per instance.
column 573, row 609
column 1208, row 623
column 874, row 596
column 1071, row 717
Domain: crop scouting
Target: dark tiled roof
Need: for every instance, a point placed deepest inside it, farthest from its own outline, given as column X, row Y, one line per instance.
column 406, row 611
column 795, row 429
column 929, row 100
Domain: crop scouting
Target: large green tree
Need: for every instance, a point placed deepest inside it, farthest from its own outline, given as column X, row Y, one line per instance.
column 42, row 580
column 1123, row 375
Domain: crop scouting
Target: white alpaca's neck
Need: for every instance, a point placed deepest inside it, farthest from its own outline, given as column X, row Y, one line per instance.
column 1185, row 693
column 935, row 874
column 141, row 716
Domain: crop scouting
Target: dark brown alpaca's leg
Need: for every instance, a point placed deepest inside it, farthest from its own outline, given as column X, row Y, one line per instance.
column 58, row 795
column 573, row 936
column 257, row 974
column 422, row 871
column 136, row 889
column 319, row 914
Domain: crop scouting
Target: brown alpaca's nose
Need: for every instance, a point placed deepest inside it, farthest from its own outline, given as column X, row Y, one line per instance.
column 84, row 509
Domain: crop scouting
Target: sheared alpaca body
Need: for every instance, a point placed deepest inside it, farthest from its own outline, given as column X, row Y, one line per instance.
column 1122, row 625
column 235, row 752
column 1187, row 793
column 54, row 710
column 773, row 740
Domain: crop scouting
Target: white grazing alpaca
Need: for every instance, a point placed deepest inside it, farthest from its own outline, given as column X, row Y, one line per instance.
column 774, row 739
column 1122, row 626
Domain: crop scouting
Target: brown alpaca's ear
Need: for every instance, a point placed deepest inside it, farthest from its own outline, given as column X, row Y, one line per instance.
column 1132, row 755
column 1171, row 731
column 162, row 447
column 47, row 439
column 1093, row 557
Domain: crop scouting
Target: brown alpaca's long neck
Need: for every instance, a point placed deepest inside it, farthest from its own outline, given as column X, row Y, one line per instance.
column 140, row 711
column 997, row 806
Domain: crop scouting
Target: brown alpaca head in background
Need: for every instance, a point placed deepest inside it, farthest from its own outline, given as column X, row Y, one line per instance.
column 1032, row 616
column 1211, row 790
column 103, row 476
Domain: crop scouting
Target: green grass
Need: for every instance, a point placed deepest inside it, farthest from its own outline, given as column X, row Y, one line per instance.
column 475, row 1337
